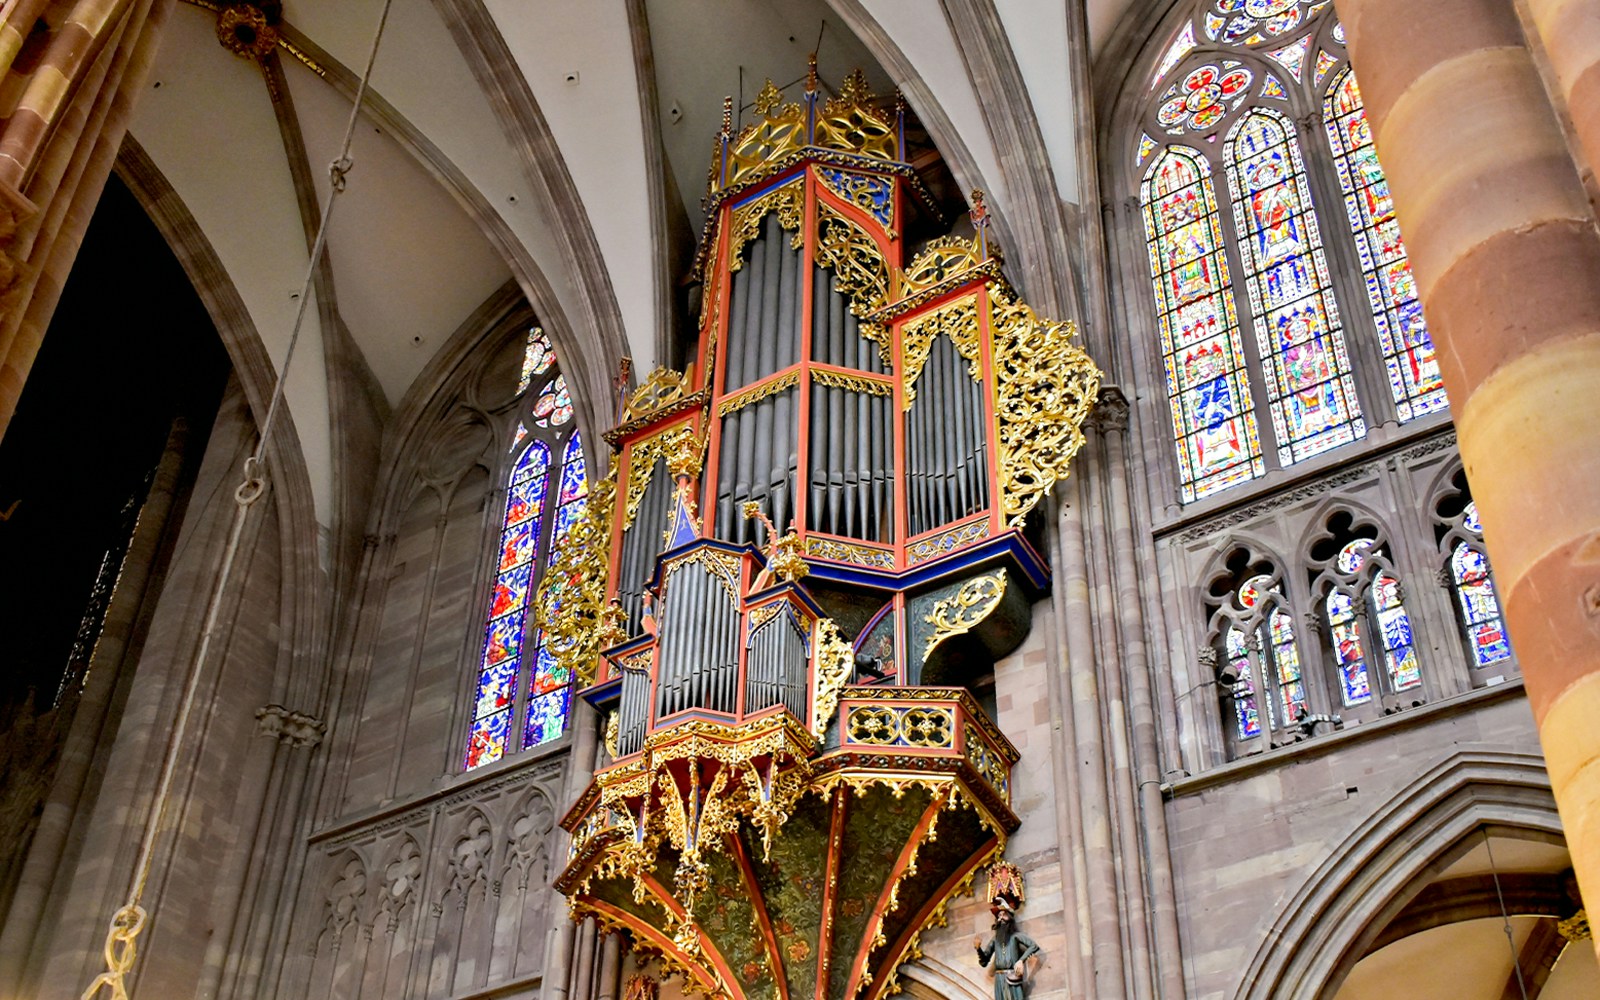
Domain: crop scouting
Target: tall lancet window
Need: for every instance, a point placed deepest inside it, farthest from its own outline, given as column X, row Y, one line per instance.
column 1253, row 105
column 1262, row 678
column 1309, row 387
column 1474, row 587
column 1408, row 354
column 1212, row 416
column 519, row 691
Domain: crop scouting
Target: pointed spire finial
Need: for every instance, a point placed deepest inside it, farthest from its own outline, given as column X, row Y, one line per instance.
column 727, row 115
column 811, row 74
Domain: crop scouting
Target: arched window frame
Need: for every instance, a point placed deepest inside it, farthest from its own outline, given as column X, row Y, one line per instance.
column 517, row 709
column 1311, row 33
column 1459, row 530
column 1255, row 639
column 1378, row 626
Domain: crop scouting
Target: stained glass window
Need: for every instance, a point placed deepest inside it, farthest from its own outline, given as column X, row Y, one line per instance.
column 1230, row 84
column 1310, row 391
column 1394, row 628
column 1286, row 660
column 1480, row 609
column 518, row 677
column 1408, row 350
column 537, row 357
column 551, row 693
column 1269, row 628
column 508, row 607
column 1246, row 714
column 1212, row 415
column 1354, row 686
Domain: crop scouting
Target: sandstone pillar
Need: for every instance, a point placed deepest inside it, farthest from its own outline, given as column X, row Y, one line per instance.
column 1508, row 266
column 1570, row 32
column 57, row 146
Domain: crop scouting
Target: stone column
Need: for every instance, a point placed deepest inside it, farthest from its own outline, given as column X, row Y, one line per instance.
column 1570, row 32
column 1508, row 266
column 56, row 151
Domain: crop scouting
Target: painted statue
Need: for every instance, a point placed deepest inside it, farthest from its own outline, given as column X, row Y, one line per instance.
column 1009, row 949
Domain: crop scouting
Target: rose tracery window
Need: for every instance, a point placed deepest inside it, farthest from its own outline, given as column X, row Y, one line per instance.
column 1230, row 117
column 519, row 690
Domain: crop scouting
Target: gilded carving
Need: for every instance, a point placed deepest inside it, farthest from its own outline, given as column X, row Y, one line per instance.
column 859, row 271
column 854, row 383
column 959, row 322
column 779, row 132
column 850, row 122
column 845, row 552
column 756, row 393
column 948, row 541
column 942, row 260
column 1045, row 387
column 789, row 201
column 961, row 613
column 660, row 389
column 835, row 661
column 642, row 457
column 580, row 575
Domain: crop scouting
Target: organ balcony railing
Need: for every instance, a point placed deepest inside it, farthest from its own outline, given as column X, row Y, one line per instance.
column 811, row 550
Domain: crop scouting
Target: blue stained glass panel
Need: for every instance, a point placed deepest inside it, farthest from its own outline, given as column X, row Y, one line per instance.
column 547, row 717
column 1286, row 659
column 504, row 639
column 497, row 687
column 1479, row 607
column 548, row 673
column 486, row 741
column 1247, row 716
column 516, row 546
column 1355, row 683
column 510, row 590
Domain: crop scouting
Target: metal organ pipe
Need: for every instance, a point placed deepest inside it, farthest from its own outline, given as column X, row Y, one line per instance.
column 642, row 543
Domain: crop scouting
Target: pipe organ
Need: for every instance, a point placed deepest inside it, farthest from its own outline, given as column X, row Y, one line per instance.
column 812, row 547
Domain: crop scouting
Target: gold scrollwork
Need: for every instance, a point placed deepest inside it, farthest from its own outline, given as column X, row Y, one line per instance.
column 859, row 271
column 642, row 459
column 958, row 614
column 722, row 565
column 1576, row 927
column 780, row 131
column 949, row 541
column 959, row 322
column 942, row 259
column 1045, row 387
column 579, row 575
column 661, row 389
column 855, row 383
column 835, row 660
column 757, row 393
column 850, row 122
column 873, row 726
column 856, row 555
column 789, row 201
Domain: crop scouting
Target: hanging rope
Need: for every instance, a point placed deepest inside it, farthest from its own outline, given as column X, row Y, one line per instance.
column 121, row 940
column 1505, row 919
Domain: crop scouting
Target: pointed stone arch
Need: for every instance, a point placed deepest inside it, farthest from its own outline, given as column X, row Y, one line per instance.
column 1369, row 878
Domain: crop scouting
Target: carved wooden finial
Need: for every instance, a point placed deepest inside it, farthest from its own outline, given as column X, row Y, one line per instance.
column 811, row 74
column 727, row 115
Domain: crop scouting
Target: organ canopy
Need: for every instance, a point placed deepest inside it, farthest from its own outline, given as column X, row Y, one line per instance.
column 789, row 594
